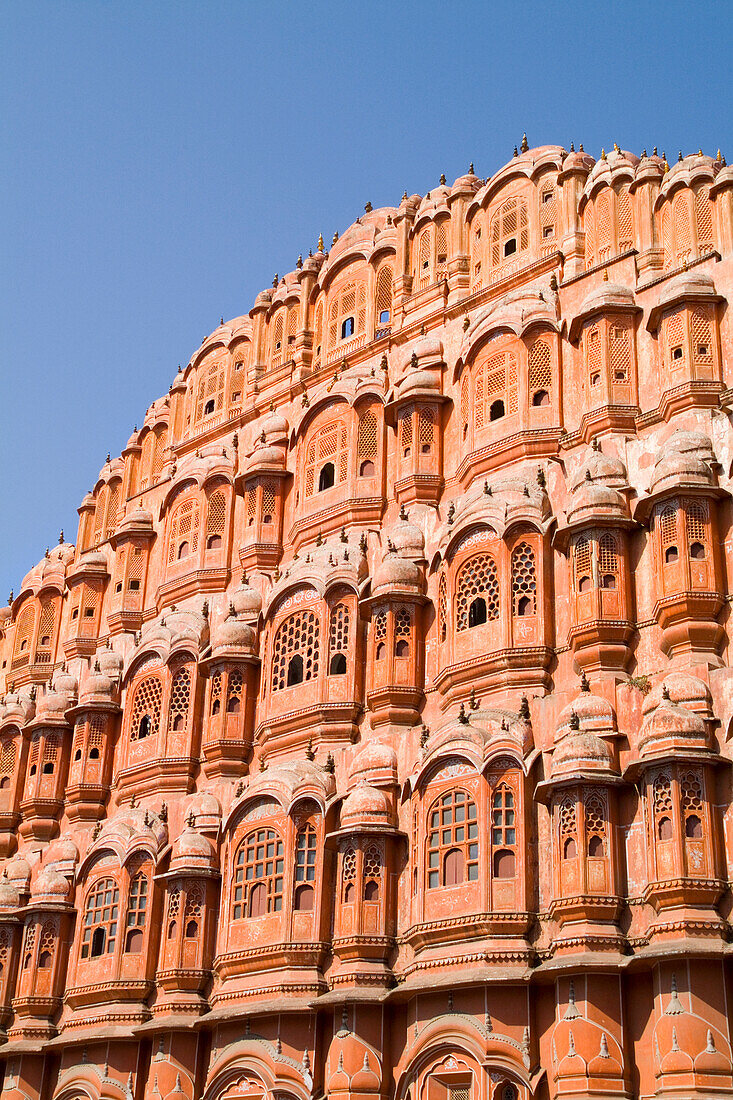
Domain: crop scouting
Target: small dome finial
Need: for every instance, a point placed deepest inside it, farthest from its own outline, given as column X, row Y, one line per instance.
column 442, row 179
column 320, row 242
column 334, row 238
column 574, row 722
column 525, row 144
column 368, row 208
column 470, row 169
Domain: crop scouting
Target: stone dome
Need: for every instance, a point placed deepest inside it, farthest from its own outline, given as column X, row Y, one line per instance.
column 683, row 688
column 395, row 572
column 19, row 873
column 583, row 752
column 9, row 896
column 246, row 600
column 232, row 633
column 407, row 538
column 96, row 685
column 591, row 500
column 50, row 884
column 375, row 761
column 110, row 663
column 594, row 714
column 365, row 805
column 597, row 466
column 672, row 726
column 191, row 849
column 684, row 458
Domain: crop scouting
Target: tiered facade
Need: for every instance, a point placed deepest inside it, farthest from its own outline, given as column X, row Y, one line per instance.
column 373, row 740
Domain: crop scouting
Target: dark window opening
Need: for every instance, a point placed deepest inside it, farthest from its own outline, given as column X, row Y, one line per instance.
column 215, row 707
column 209, row 407
column 407, row 451
column 402, row 648
column 702, row 349
column 426, row 448
column 178, row 722
column 48, row 768
column 453, row 867
column 74, row 615
column 595, row 846
column 134, row 942
column 497, row 410
column 183, row 550
column 192, row 929
column 664, row 828
column 619, row 376
column 548, row 231
column 118, row 586
column 504, row 864
column 295, row 670
column 77, row 754
column 541, row 397
column 258, row 900
column 384, row 317
column 371, row 891
column 89, row 612
column 367, row 468
column 510, row 246
column 4, row 783
column 349, row 893
column 347, row 327
column 693, row 827
column 525, row 606
column 697, row 551
column 570, row 850
column 267, row 518
column 134, row 586
column 233, row 705
column 304, row 898
column 477, row 612
column 33, row 769
column 608, row 581
column 670, row 554
column 145, row 727
column 44, row 960
column 172, row 929
column 338, row 665
column 547, row 197
column 214, row 542
column 98, row 941
column 380, row 651
column 595, row 379
column 327, row 477
column 677, row 353
column 94, row 754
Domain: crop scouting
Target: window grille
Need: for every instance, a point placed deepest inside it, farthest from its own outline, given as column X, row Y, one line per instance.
column 442, row 607
column 216, row 515
column 426, row 429
column 100, row 919
column 23, row 632
column 477, row 578
column 180, row 700
column 582, row 560
column 46, row 624
column 676, row 342
column 348, row 873
column 590, row 235
column 258, row 875
column 383, row 297
column 184, row 530
column 158, row 454
column 305, row 855
column 338, row 641
column 329, row 444
column 702, row 339
column 691, row 792
column 146, row 704
column 7, row 758
column 452, row 840
column 137, row 902
column 620, row 354
column 367, row 442
column 681, row 223
column 540, row 368
column 662, row 794
column 210, row 391
column 624, row 220
column 593, row 357
column 509, row 224
column 704, row 220
column 595, row 819
column 696, row 518
column 604, row 225
column 607, row 555
column 524, row 580
column 668, row 526
column 298, row 634
column 235, row 687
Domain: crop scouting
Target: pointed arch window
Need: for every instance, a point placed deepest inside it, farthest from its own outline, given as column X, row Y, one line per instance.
column 137, row 905
column 524, row 580
column 338, row 639
column 180, row 700
column 327, row 458
column 101, row 917
column 477, row 592
column 383, row 298
column 305, row 867
column 215, row 520
column 146, row 706
column 509, row 231
column 296, row 650
column 183, row 539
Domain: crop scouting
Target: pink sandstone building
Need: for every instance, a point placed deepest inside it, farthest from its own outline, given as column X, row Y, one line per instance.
column 373, row 740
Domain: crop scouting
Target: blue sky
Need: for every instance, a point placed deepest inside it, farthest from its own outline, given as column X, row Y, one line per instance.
column 163, row 160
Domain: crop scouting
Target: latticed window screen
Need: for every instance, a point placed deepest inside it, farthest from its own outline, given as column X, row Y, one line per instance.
column 258, row 875
column 624, row 220
column 608, row 560
column 216, row 515
column 100, row 514
column 667, row 520
column 452, row 840
column 45, row 631
column 338, row 635
column 567, row 819
column 465, row 401
column 383, row 296
column 682, row 229
column 346, row 302
column 318, row 332
column 696, row 517
column 235, row 687
column 503, row 817
column 158, row 454
column 146, row 460
column 49, row 939
column 424, row 248
column 604, row 225
column 704, row 220
column 268, row 501
column 402, row 623
column 215, row 697
column 509, row 224
column 441, row 249
column 495, row 381
column 291, row 330
column 137, row 903
column 194, row 903
column 582, row 560
column 589, row 224
column 425, row 428
column 371, row 868
column 405, row 430
column 348, row 871
column 51, row 746
column 524, row 580
column 595, row 821
column 7, row 758
column 662, row 795
column 24, row 630
column 593, row 358
column 548, row 211
column 619, row 352
column 277, row 338
column 113, row 505
column 675, row 339
column 367, row 442
column 146, row 704
column 298, row 634
column 540, row 368
column 329, row 444
column 180, row 700
column 96, row 733
column 210, row 391
column 184, row 530
column 691, row 792
column 102, row 913
column 442, row 608
column 305, row 855
column 702, row 339
column 477, row 579
column 380, row 627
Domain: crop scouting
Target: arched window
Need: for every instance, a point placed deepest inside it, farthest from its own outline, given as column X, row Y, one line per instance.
column 258, row 875
column 101, row 915
column 691, row 800
column 608, row 569
column 503, row 832
column 593, row 357
column 477, row 583
column 348, row 874
column 297, row 636
column 234, row 692
column 46, row 623
column 137, row 905
column 184, row 530
column 383, row 296
column 662, row 806
column 539, row 365
column 210, row 390
column 509, row 230
column 380, row 631
column 7, row 762
column 215, row 520
column 704, row 220
column 318, row 333
column 595, row 824
column 305, row 867
column 366, row 449
column 180, row 700
column 524, row 580
column 402, row 632
column 442, row 608
column 696, row 520
column 372, row 872
column 495, row 389
column 327, row 458
column 145, row 712
column 346, row 313
column 423, row 252
column 452, row 840
column 582, row 565
column 277, row 338
column 667, row 519
column 338, row 639
column 23, row 633
column 568, row 828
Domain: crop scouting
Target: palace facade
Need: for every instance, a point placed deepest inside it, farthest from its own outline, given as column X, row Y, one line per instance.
column 373, row 739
